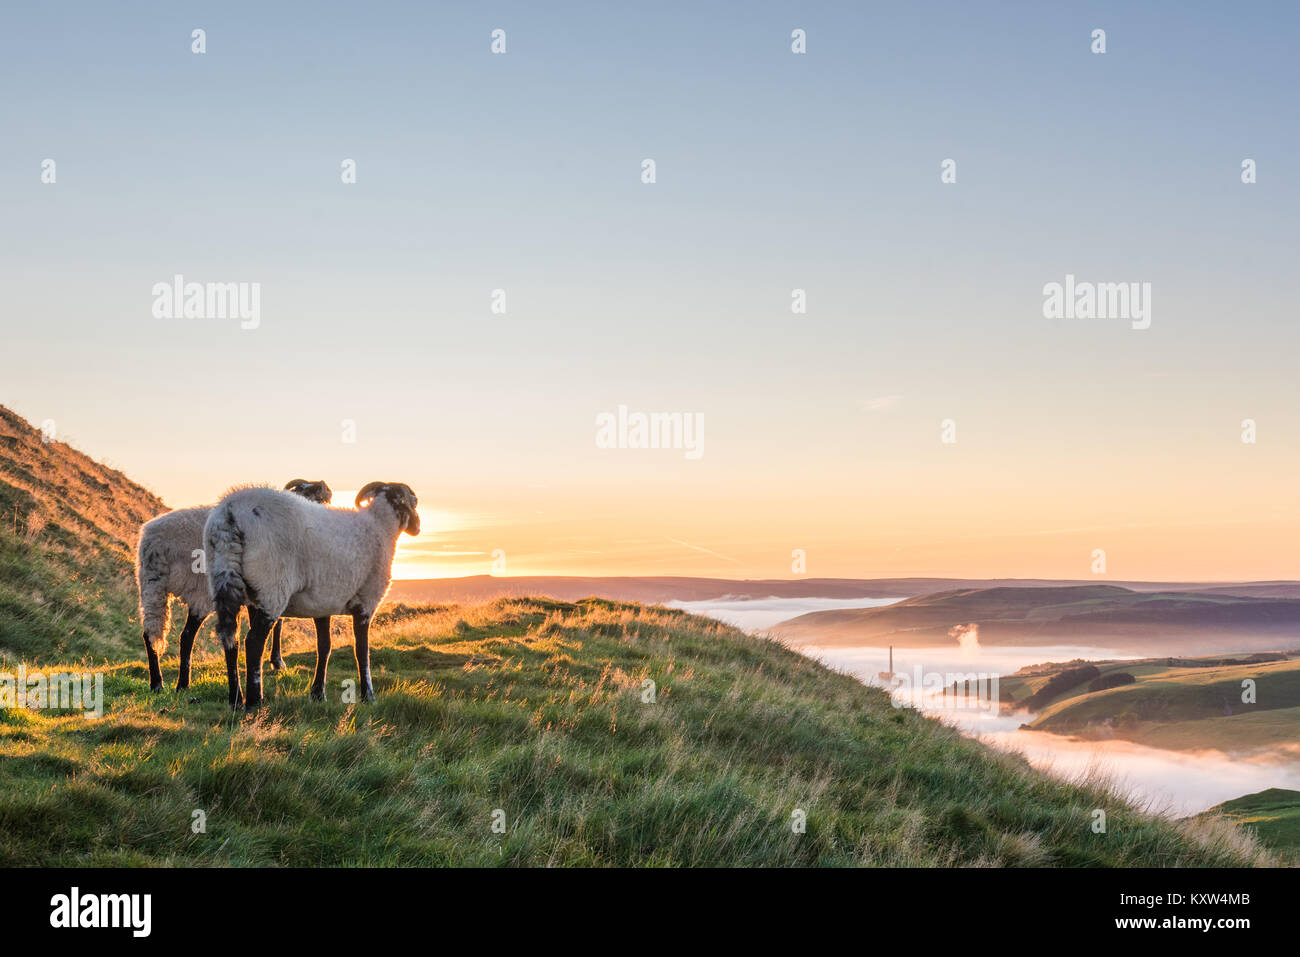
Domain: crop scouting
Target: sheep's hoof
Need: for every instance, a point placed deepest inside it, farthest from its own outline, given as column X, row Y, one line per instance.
column 317, row 694
column 157, row 687
column 277, row 664
column 182, row 686
column 368, row 697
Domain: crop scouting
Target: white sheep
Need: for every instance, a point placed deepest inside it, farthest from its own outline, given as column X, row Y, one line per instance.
column 168, row 564
column 285, row 557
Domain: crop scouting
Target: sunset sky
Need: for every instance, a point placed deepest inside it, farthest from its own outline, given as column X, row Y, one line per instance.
column 775, row 171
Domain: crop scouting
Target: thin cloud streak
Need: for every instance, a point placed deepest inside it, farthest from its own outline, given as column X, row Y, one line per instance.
column 701, row 548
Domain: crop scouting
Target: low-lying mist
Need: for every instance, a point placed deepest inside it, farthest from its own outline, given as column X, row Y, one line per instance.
column 1178, row 782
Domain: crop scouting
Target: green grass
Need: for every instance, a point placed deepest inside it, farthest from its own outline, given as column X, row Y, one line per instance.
column 66, row 601
column 1273, row 814
column 1276, row 729
column 536, row 708
column 58, row 601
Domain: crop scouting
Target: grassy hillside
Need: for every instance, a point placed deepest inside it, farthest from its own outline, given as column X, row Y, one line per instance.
column 537, row 708
column 68, row 527
column 1107, row 615
column 1273, row 814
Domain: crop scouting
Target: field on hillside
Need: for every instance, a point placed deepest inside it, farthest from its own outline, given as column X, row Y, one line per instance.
column 1181, row 707
column 536, row 715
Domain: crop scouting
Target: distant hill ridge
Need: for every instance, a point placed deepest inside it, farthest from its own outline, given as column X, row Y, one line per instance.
column 664, row 588
column 1179, row 622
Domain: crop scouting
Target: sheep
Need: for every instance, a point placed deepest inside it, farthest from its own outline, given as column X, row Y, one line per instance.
column 312, row 492
column 285, row 557
column 167, row 564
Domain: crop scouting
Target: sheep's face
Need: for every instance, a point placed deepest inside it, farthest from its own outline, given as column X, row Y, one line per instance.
column 410, row 517
column 400, row 497
column 311, row 491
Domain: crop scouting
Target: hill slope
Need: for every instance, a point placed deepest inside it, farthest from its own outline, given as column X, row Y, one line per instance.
column 537, row 713
column 1121, row 618
column 68, row 527
column 1274, row 814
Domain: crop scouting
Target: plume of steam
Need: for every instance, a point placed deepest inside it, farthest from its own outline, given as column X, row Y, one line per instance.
column 968, row 636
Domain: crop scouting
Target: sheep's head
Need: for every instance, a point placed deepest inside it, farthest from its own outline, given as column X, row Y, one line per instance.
column 311, row 491
column 400, row 497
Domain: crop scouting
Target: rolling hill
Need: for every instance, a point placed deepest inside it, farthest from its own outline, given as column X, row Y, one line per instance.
column 1178, row 705
column 1110, row 616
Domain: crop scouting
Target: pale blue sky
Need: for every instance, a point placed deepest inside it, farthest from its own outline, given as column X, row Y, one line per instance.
column 521, row 171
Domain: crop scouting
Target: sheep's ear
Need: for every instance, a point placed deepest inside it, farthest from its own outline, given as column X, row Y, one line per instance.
column 405, row 493
column 295, row 485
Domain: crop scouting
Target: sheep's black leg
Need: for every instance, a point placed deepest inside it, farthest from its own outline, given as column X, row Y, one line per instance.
column 155, row 673
column 322, row 657
column 277, row 662
column 229, row 596
column 192, row 624
column 232, row 674
column 361, row 632
column 259, row 627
